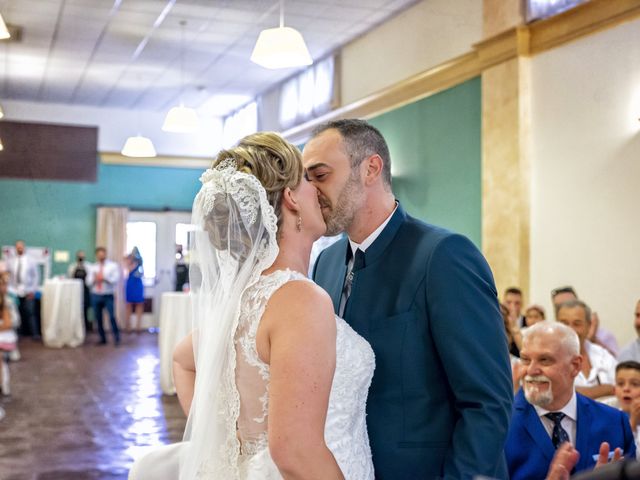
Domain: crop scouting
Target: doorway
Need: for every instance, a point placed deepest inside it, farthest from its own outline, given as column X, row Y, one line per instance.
column 158, row 236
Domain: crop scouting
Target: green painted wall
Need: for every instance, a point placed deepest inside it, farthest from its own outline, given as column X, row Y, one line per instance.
column 62, row 215
column 435, row 146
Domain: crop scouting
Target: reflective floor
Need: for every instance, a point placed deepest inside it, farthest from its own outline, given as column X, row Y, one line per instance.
column 84, row 413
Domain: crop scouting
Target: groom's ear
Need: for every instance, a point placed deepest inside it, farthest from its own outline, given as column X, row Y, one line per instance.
column 289, row 201
column 374, row 166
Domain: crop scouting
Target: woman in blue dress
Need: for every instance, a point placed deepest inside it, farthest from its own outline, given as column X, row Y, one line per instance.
column 134, row 289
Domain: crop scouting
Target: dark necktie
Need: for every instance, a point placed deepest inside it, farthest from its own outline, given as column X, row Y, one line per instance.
column 358, row 263
column 559, row 434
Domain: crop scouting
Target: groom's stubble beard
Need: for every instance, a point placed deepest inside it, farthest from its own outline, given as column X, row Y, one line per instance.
column 341, row 214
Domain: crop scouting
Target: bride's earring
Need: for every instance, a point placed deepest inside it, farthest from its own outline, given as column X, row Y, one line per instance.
column 299, row 224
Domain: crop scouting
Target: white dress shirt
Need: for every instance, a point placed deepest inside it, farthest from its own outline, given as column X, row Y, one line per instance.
column 366, row 243
column 631, row 351
column 29, row 275
column 110, row 277
column 569, row 422
column 603, row 367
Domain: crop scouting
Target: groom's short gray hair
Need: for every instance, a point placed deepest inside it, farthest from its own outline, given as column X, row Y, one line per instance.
column 361, row 140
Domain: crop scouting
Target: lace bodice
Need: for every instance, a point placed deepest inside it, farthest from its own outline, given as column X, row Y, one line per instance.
column 345, row 428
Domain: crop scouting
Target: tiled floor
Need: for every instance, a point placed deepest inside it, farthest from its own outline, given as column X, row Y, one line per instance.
column 84, row 413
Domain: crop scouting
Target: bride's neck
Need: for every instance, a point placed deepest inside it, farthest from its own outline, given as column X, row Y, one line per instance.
column 294, row 254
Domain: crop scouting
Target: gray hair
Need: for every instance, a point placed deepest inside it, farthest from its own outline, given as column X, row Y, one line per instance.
column 565, row 335
column 576, row 304
column 361, row 140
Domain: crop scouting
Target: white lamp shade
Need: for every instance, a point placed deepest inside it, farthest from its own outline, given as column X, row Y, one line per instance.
column 281, row 47
column 1, row 111
column 138, row 146
column 181, row 120
column 4, row 33
column 1, row 145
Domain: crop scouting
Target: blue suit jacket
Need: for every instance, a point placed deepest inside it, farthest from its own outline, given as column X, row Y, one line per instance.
column 440, row 399
column 529, row 449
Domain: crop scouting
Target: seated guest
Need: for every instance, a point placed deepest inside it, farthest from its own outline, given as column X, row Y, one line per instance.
column 598, row 371
column 632, row 350
column 560, row 295
column 513, row 301
column 514, row 335
column 628, row 391
column 602, row 337
column 548, row 412
column 533, row 314
column 597, row 334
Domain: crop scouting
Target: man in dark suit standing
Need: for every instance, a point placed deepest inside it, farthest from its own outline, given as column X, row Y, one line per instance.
column 424, row 298
column 548, row 412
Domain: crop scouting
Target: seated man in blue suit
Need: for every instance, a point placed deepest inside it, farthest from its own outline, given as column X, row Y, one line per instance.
column 548, row 412
column 424, row 298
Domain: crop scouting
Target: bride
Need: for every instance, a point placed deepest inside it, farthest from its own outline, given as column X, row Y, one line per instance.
column 274, row 384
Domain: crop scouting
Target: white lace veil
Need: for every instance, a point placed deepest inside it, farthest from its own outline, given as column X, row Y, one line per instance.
column 234, row 241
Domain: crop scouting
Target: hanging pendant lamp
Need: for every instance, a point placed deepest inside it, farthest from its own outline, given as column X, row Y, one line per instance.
column 181, row 119
column 4, row 32
column 138, row 147
column 281, row 47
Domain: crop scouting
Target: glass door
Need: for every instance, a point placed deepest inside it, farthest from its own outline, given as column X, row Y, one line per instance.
column 158, row 236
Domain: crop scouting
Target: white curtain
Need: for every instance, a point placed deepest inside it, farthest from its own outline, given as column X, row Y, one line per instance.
column 111, row 233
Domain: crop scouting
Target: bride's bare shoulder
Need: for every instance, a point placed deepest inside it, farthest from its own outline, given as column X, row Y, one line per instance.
column 299, row 299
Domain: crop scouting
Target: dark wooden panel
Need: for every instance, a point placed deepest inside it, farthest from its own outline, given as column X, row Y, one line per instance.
column 48, row 152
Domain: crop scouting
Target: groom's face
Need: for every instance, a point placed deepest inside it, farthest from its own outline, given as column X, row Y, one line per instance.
column 328, row 167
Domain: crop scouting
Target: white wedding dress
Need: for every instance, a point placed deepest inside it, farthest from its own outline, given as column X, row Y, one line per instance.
column 345, row 428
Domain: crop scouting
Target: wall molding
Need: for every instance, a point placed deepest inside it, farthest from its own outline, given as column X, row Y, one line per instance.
column 524, row 40
column 115, row 158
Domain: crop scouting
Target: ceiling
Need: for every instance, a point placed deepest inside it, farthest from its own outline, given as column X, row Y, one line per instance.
column 128, row 53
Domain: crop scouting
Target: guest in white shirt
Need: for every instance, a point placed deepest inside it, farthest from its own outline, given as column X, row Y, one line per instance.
column 23, row 282
column 597, row 375
column 102, row 279
column 632, row 350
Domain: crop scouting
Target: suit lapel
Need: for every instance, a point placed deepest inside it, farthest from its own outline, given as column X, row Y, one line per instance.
column 534, row 427
column 337, row 270
column 582, row 435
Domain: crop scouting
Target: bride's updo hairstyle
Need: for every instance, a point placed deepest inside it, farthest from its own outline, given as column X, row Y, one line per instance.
column 272, row 160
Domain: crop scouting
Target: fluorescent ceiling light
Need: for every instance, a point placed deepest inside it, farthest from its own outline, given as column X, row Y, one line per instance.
column 138, row 146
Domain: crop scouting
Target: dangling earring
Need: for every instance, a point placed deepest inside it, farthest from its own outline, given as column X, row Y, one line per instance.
column 299, row 224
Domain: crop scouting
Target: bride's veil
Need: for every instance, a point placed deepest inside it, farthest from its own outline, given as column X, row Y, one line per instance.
column 233, row 242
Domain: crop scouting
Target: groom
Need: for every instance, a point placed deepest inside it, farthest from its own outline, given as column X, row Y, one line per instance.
column 424, row 298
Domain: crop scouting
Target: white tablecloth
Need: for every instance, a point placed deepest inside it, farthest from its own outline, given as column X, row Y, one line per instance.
column 62, row 321
column 175, row 324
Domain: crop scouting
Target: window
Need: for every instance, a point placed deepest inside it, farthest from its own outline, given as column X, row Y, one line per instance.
column 240, row 124
column 307, row 95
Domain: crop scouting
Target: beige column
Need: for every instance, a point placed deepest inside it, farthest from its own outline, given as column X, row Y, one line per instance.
column 506, row 173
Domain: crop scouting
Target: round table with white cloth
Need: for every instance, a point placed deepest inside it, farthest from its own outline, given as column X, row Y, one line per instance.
column 175, row 324
column 62, row 321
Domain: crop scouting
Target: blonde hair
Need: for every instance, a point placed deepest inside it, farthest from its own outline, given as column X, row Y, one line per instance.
column 276, row 163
